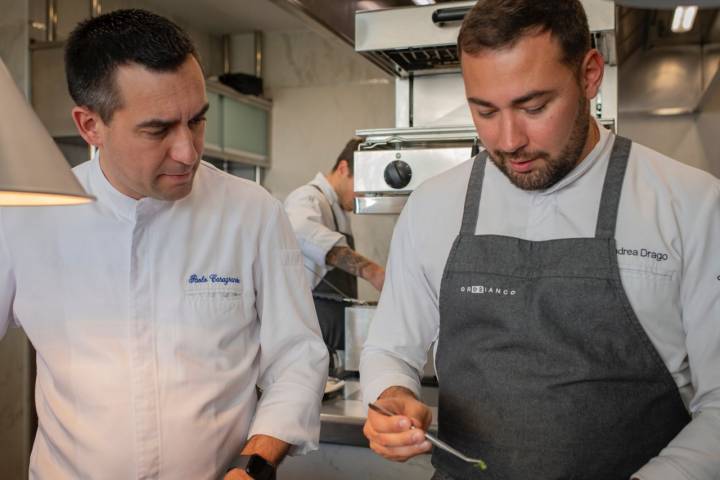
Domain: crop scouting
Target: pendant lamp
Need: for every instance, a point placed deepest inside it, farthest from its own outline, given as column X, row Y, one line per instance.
column 33, row 171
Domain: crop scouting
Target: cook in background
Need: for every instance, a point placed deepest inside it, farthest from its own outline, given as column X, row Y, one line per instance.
column 158, row 309
column 318, row 214
column 568, row 275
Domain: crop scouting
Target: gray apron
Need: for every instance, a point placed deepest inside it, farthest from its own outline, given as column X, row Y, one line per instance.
column 545, row 371
column 329, row 305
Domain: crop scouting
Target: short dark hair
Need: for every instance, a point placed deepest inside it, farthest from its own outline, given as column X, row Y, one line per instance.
column 497, row 24
column 348, row 153
column 97, row 46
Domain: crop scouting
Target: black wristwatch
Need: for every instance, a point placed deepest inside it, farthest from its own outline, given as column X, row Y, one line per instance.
column 255, row 466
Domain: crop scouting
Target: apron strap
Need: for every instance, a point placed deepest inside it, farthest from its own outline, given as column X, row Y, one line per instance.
column 335, row 222
column 472, row 197
column 614, row 177
column 350, row 239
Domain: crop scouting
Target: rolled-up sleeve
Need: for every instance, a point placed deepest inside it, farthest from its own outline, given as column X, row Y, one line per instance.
column 406, row 321
column 315, row 239
column 293, row 359
column 7, row 283
column 695, row 452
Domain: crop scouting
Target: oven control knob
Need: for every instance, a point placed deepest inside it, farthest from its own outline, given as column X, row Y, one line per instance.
column 398, row 174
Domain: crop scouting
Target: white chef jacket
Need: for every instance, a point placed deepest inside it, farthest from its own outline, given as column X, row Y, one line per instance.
column 153, row 322
column 668, row 236
column 312, row 220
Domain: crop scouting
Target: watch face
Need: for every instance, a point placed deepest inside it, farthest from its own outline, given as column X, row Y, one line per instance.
column 259, row 468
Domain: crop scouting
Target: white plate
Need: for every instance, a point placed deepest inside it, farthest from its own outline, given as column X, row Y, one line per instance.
column 333, row 385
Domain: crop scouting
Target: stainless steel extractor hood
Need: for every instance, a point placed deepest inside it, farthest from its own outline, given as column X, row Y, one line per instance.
column 421, row 40
column 336, row 16
column 663, row 72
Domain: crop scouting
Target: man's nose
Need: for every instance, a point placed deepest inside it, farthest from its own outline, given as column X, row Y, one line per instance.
column 512, row 134
column 183, row 148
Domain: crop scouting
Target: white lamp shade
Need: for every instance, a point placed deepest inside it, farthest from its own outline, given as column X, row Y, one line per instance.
column 33, row 171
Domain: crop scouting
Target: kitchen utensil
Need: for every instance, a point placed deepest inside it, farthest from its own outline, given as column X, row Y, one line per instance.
column 477, row 463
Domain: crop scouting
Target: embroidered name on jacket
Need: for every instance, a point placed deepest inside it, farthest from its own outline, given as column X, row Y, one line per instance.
column 212, row 278
column 485, row 290
column 643, row 252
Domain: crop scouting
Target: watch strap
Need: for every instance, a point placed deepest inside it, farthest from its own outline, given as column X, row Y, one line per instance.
column 254, row 465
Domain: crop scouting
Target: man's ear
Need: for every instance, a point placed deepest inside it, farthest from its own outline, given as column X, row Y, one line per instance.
column 89, row 125
column 343, row 168
column 592, row 71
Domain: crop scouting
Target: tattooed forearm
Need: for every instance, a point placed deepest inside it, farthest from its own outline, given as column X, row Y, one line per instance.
column 347, row 260
column 352, row 262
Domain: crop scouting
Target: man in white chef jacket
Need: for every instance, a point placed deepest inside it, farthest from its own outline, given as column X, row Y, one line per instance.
column 158, row 309
column 569, row 276
column 318, row 212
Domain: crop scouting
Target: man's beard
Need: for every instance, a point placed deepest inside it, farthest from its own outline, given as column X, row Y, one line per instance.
column 553, row 169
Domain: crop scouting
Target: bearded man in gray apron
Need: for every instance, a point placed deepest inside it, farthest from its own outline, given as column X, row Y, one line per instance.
column 575, row 319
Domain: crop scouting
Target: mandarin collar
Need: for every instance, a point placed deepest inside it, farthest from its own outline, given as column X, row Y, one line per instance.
column 123, row 206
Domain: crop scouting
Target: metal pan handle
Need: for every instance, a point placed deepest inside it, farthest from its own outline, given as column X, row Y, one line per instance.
column 447, row 15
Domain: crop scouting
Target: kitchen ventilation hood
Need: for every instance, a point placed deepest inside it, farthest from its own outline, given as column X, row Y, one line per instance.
column 663, row 72
column 421, row 40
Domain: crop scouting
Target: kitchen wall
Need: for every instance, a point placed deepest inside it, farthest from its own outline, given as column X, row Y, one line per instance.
column 70, row 12
column 15, row 365
column 49, row 90
column 322, row 91
column 209, row 46
column 693, row 139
